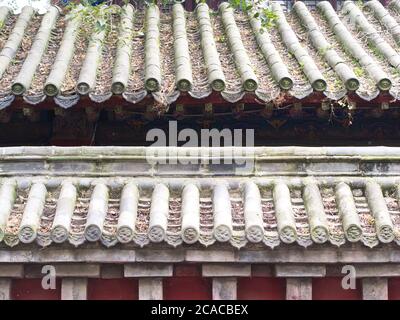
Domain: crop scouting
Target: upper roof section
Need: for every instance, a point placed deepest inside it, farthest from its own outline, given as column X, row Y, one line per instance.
column 173, row 54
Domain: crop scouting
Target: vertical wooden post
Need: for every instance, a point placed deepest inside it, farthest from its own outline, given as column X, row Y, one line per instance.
column 5, row 289
column 375, row 288
column 150, row 289
column 74, row 289
column 224, row 288
column 298, row 289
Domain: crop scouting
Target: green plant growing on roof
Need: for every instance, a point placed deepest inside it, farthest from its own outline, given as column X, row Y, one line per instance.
column 395, row 71
column 337, row 83
column 266, row 15
column 322, row 51
column 220, row 38
column 260, row 9
column 375, row 51
column 94, row 18
column 360, row 3
column 98, row 21
column 359, row 72
column 91, row 24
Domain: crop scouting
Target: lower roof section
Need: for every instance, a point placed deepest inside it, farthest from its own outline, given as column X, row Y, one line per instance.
column 262, row 197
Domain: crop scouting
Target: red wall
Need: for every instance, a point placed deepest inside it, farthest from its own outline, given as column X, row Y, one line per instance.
column 261, row 288
column 187, row 284
column 394, row 288
column 112, row 289
column 330, row 288
column 31, row 289
column 187, row 288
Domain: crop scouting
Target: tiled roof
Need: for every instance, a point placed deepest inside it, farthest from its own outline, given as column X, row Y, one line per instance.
column 176, row 53
column 304, row 196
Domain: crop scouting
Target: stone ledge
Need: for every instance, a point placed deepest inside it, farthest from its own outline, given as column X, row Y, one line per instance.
column 269, row 161
column 11, row 271
column 210, row 255
column 143, row 270
column 53, row 152
column 299, row 271
column 171, row 255
column 72, row 270
column 223, row 270
column 383, row 270
column 286, row 254
column 67, row 255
